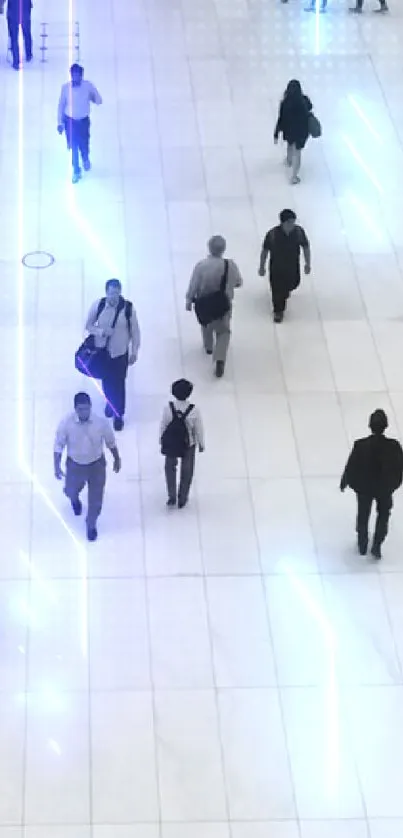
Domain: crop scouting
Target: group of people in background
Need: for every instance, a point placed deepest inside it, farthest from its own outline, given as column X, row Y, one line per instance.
column 374, row 470
column 321, row 5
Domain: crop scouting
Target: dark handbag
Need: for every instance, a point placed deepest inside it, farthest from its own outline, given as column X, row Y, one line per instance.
column 89, row 359
column 314, row 126
column 213, row 306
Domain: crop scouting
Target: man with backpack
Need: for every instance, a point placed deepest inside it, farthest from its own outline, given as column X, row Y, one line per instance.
column 181, row 431
column 211, row 291
column 113, row 323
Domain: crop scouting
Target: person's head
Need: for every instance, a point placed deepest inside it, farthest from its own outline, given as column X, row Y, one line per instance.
column 76, row 73
column 293, row 89
column 181, row 389
column 378, row 422
column 287, row 220
column 113, row 290
column 82, row 406
column 217, row 246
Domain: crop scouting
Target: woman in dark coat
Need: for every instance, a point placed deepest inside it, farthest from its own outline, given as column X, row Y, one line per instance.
column 292, row 123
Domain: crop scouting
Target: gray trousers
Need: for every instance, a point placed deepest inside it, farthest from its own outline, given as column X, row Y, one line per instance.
column 95, row 476
column 220, row 330
column 186, row 475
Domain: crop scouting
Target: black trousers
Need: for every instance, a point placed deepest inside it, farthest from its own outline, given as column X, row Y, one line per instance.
column 14, row 24
column 186, row 476
column 78, row 139
column 360, row 4
column 114, row 383
column 383, row 509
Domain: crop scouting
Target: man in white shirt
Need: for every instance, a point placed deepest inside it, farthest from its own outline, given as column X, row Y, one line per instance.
column 73, row 117
column 206, row 279
column 113, row 322
column 85, row 435
column 180, row 432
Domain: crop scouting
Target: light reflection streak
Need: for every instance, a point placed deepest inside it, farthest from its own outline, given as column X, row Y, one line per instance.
column 362, row 164
column 366, row 121
column 333, row 708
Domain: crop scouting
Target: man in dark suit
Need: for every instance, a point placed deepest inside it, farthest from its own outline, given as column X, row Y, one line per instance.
column 374, row 471
column 19, row 14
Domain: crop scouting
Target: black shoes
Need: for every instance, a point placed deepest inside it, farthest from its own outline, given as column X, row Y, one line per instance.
column 376, row 551
column 86, row 165
column 118, row 423
column 278, row 316
column 182, row 502
column 76, row 176
column 171, row 502
column 108, row 412
column 92, row 533
column 77, row 507
column 362, row 547
column 219, row 369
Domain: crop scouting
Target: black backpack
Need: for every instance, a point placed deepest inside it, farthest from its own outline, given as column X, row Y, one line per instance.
column 175, row 441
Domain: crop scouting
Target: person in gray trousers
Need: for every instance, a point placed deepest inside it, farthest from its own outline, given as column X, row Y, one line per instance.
column 206, row 279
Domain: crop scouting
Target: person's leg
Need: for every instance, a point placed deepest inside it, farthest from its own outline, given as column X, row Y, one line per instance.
column 222, row 331
column 75, row 145
column 114, row 384
column 27, row 34
column 85, row 142
column 171, row 464
column 208, row 338
column 75, row 480
column 13, row 27
column 364, row 504
column 296, row 165
column 187, row 471
column 96, row 478
column 383, row 6
column 383, row 509
column 279, row 300
column 290, row 152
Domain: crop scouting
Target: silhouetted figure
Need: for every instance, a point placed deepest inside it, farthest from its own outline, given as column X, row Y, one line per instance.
column 374, row 471
column 19, row 14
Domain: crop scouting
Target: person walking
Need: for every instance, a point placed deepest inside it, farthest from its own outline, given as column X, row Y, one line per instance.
column 181, row 431
column 314, row 5
column 84, row 435
column 293, row 124
column 19, row 15
column 284, row 243
column 112, row 321
column 212, row 278
column 73, row 117
column 374, row 471
column 357, row 9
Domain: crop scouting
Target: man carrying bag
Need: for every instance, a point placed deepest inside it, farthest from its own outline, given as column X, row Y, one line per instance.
column 211, row 291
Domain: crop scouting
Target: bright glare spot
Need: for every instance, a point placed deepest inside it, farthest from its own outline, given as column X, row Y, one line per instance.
column 55, row 747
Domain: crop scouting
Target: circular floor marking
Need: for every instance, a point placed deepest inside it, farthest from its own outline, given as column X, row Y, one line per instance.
column 38, row 259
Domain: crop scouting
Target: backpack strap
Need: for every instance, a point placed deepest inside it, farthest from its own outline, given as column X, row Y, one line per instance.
column 223, row 283
column 120, row 305
column 101, row 306
column 173, row 409
column 188, row 410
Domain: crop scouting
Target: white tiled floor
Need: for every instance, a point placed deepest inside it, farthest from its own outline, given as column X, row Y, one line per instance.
column 233, row 670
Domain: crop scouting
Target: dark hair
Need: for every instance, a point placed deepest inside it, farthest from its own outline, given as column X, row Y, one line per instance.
column 182, row 389
column 76, row 68
column 293, row 89
column 378, row 422
column 287, row 215
column 113, row 283
column 81, row 398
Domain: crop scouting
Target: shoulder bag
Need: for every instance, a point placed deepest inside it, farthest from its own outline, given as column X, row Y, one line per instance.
column 216, row 305
column 89, row 359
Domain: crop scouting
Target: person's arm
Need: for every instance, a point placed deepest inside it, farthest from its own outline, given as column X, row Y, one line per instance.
column 58, row 448
column 237, row 280
column 198, row 429
column 308, row 103
column 193, row 287
column 110, row 442
column 95, row 96
column 278, row 127
column 266, row 246
column 345, row 478
column 61, row 109
column 134, row 336
column 90, row 325
column 166, row 418
column 306, row 249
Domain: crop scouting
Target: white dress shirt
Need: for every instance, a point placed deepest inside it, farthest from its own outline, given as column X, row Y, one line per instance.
column 84, row 441
column 124, row 334
column 193, row 421
column 75, row 101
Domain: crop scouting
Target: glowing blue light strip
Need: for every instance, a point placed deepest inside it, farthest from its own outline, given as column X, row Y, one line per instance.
column 366, row 121
column 362, row 164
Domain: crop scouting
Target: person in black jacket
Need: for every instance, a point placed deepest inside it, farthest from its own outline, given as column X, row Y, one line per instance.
column 292, row 123
column 19, row 14
column 374, row 471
